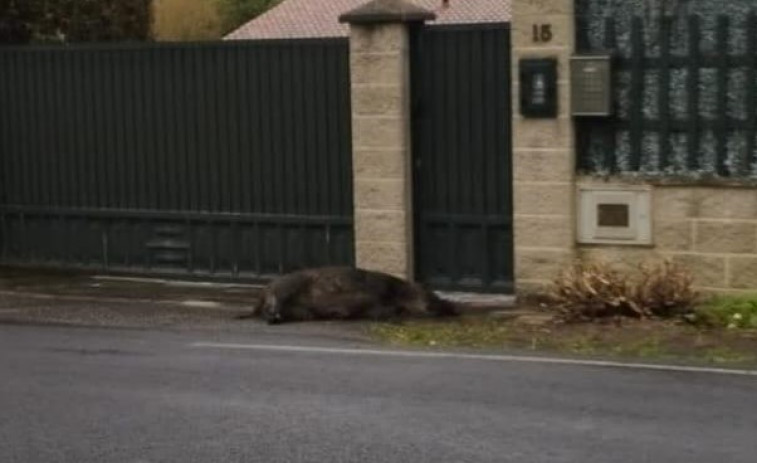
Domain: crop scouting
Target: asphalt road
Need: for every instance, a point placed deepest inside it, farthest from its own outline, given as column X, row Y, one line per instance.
column 113, row 395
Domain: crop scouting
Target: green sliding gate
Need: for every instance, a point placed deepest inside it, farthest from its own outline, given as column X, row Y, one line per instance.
column 220, row 159
column 462, row 157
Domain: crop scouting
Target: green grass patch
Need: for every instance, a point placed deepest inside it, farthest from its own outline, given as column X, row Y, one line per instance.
column 635, row 339
column 730, row 312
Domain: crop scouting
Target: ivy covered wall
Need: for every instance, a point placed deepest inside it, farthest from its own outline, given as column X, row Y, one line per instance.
column 684, row 87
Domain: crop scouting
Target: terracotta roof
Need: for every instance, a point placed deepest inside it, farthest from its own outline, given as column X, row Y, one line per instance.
column 320, row 18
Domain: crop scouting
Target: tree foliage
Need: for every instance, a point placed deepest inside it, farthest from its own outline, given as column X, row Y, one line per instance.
column 234, row 13
column 186, row 20
column 23, row 21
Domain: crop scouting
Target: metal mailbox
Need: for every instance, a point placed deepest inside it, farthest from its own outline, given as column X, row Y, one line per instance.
column 591, row 85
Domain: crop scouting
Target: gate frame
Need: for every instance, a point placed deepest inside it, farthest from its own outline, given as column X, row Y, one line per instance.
column 490, row 290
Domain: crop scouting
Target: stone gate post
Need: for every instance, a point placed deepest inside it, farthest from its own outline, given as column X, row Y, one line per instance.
column 381, row 120
column 543, row 149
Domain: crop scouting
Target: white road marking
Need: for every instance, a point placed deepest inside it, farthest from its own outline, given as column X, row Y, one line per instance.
column 201, row 304
column 484, row 357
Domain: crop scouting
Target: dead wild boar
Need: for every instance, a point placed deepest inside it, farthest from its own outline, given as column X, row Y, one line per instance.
column 342, row 293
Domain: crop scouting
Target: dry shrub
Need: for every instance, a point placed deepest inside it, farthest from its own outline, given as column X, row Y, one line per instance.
column 589, row 291
column 667, row 289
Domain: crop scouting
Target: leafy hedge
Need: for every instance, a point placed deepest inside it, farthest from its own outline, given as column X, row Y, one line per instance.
column 23, row 21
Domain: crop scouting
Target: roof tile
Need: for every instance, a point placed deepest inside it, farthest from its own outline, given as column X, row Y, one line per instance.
column 320, row 18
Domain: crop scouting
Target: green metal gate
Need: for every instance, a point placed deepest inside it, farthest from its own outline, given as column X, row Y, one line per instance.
column 222, row 159
column 462, row 157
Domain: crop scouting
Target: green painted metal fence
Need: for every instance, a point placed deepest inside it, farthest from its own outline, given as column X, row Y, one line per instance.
column 685, row 96
column 220, row 159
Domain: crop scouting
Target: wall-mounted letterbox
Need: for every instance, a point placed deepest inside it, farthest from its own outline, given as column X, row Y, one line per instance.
column 591, row 85
column 538, row 87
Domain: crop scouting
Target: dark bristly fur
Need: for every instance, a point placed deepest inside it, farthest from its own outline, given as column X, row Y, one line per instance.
column 345, row 293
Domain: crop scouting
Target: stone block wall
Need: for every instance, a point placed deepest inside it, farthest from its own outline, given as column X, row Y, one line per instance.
column 712, row 230
column 543, row 151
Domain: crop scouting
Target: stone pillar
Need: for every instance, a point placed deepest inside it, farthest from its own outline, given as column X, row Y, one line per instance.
column 382, row 174
column 543, row 149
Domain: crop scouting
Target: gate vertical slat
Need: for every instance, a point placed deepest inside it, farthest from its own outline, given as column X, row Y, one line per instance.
column 484, row 143
column 220, row 162
column 192, row 130
column 321, row 127
column 205, row 144
column 749, row 158
column 131, row 173
column 12, row 153
column 162, row 175
column 491, row 123
column 276, row 90
column 65, row 123
column 331, row 67
column 177, row 112
column 171, row 107
column 113, row 125
column 465, row 137
column 299, row 172
column 4, row 169
column 110, row 153
column 251, row 115
column 329, row 125
column 611, row 44
column 216, row 143
column 26, row 116
column 265, row 133
column 663, row 109
column 693, row 93
column 79, row 153
column 506, row 256
column 152, row 164
column 120, row 92
column 309, row 131
column 30, row 160
column 29, row 140
column 452, row 95
column 345, row 146
column 137, row 107
column 42, row 136
column 288, row 104
column 156, row 105
column 237, row 151
column 226, row 129
column 721, row 127
column 245, row 132
column 101, row 153
column 152, row 104
column 637, row 92
column 304, row 112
